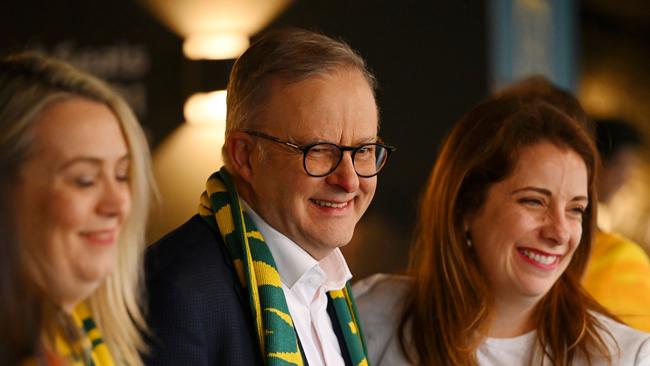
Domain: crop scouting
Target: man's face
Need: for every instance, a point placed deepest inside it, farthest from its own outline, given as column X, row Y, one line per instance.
column 319, row 214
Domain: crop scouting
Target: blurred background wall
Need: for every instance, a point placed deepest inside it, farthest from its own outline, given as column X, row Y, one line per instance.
column 433, row 60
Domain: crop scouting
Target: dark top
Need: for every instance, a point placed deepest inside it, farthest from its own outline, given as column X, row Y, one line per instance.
column 199, row 313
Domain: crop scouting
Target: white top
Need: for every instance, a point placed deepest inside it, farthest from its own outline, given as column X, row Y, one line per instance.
column 380, row 304
column 305, row 283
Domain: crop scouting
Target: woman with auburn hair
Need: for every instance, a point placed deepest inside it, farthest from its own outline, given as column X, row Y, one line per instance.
column 80, row 184
column 504, row 235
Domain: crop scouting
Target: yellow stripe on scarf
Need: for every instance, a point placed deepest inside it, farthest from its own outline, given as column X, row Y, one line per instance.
column 284, row 316
column 91, row 342
column 204, row 205
column 267, row 275
column 291, row 357
column 227, row 227
column 215, row 185
column 255, row 235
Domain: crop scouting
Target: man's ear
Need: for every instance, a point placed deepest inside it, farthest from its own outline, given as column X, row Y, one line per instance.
column 239, row 147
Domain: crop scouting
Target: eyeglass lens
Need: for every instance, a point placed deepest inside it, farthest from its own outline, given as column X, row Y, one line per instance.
column 322, row 159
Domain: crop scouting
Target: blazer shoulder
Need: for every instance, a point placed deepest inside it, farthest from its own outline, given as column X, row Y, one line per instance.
column 197, row 309
column 193, row 232
column 192, row 249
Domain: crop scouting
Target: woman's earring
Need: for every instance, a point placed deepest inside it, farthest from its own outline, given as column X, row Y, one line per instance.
column 468, row 239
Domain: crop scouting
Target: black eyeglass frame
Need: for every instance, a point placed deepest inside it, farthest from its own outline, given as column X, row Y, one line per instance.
column 305, row 148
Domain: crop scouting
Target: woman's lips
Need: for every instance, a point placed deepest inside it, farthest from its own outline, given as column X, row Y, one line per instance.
column 100, row 237
column 539, row 259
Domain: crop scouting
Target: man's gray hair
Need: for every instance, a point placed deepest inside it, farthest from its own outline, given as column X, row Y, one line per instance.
column 291, row 54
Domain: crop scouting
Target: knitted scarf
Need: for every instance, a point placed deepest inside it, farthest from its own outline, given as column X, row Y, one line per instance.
column 258, row 274
column 91, row 349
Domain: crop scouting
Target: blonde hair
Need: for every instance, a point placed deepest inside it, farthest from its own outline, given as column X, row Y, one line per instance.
column 28, row 84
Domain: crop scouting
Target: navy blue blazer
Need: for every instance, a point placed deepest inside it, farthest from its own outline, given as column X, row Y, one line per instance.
column 198, row 311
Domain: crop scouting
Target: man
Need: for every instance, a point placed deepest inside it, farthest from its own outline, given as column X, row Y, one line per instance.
column 619, row 145
column 257, row 277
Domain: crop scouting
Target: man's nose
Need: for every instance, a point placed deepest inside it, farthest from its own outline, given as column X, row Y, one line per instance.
column 344, row 175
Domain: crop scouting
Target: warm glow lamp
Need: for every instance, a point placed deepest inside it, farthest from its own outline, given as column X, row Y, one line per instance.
column 206, row 109
column 215, row 46
column 215, row 29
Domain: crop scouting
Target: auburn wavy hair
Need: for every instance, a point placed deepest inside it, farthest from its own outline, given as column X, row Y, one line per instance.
column 451, row 302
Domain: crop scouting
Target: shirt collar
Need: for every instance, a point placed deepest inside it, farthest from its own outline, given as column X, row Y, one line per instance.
column 293, row 262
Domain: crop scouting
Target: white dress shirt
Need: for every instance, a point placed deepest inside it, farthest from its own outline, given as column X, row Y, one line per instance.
column 305, row 282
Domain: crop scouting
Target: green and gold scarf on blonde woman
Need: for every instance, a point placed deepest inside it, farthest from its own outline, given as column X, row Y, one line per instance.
column 89, row 349
column 258, row 274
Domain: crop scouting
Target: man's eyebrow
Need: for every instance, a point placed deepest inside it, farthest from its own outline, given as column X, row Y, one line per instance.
column 317, row 140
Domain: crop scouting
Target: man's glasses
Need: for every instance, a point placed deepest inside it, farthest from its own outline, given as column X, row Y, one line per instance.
column 322, row 158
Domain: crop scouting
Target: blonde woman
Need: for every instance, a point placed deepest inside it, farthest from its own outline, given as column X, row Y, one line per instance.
column 80, row 182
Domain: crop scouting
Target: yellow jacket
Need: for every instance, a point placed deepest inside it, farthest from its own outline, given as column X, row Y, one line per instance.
column 618, row 277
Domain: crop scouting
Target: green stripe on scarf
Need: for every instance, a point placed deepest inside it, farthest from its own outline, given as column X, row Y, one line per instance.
column 258, row 274
column 90, row 350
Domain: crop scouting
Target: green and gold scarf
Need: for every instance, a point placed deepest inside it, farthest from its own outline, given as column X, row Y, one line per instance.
column 258, row 274
column 90, row 350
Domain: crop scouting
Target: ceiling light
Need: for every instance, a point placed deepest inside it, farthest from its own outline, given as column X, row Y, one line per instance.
column 215, row 46
column 206, row 108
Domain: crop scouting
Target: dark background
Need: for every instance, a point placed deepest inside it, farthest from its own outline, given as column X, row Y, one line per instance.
column 430, row 58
